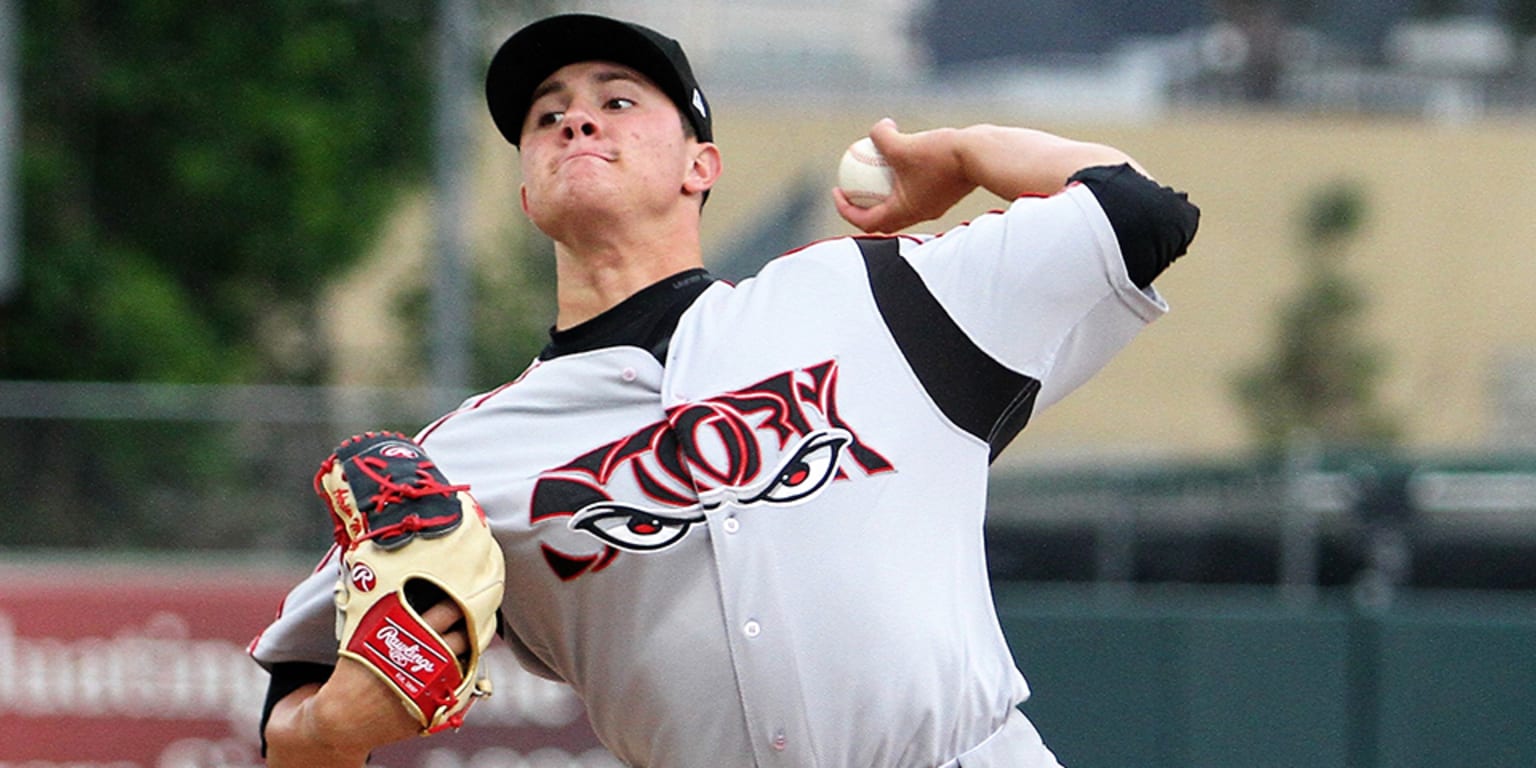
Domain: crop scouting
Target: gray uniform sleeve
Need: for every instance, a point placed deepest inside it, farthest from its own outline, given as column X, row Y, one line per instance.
column 299, row 646
column 305, row 627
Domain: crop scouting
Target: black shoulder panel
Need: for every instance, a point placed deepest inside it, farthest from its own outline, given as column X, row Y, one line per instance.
column 977, row 393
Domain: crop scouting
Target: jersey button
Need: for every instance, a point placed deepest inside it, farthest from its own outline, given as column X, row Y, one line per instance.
column 752, row 628
column 732, row 525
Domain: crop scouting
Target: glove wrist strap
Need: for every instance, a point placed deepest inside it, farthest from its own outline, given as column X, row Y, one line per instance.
column 392, row 640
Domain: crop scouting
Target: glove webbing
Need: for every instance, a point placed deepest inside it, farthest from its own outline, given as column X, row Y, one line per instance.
column 391, row 492
column 370, row 463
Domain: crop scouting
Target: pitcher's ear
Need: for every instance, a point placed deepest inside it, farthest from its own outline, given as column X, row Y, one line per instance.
column 705, row 169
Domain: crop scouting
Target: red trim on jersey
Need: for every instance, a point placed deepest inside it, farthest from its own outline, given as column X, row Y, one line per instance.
column 430, row 428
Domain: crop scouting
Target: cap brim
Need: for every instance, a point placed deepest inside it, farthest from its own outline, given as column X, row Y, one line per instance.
column 540, row 49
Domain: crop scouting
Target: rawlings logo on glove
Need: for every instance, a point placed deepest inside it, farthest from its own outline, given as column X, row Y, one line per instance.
column 405, row 533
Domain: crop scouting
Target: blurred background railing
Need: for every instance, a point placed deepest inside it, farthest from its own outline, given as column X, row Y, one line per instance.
column 204, row 467
column 181, row 467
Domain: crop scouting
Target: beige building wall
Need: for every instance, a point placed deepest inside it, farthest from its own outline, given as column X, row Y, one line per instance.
column 1447, row 250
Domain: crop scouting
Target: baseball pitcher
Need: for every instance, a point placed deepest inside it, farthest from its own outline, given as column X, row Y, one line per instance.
column 744, row 522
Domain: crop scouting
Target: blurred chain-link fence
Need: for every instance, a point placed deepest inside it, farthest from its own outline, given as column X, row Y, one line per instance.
column 136, row 466
column 144, row 467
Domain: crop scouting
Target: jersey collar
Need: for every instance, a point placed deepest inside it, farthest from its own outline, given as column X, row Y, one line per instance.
column 644, row 320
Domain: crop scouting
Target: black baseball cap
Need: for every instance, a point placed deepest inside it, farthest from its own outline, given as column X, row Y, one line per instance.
column 536, row 51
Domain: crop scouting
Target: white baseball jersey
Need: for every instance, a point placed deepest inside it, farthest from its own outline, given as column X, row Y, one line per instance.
column 760, row 543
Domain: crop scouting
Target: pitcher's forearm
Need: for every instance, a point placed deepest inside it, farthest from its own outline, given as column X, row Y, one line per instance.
column 338, row 724
column 297, row 737
column 1010, row 162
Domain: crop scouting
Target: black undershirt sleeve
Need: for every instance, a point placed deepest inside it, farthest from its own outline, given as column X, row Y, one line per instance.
column 1153, row 224
column 288, row 677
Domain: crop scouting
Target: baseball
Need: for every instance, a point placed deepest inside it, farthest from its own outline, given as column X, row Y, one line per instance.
column 863, row 175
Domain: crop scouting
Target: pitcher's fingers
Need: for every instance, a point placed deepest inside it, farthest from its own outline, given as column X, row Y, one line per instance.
column 448, row 620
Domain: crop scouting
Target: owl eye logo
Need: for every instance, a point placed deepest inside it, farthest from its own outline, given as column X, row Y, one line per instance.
column 631, row 528
column 798, row 477
column 806, row 471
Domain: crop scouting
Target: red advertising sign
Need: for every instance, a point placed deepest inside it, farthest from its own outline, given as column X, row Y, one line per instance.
column 146, row 667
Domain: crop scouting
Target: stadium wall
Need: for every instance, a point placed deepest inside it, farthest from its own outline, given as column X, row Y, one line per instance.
column 143, row 664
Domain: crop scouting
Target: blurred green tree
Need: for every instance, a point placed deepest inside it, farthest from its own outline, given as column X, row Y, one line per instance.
column 1321, row 378
column 190, row 176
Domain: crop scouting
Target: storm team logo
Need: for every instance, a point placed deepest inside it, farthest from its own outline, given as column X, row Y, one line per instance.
column 779, row 442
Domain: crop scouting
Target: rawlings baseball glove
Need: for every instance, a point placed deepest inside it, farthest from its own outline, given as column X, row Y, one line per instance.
column 409, row 539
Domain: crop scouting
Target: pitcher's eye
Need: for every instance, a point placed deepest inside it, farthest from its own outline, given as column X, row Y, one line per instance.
column 631, row 528
column 807, row 469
